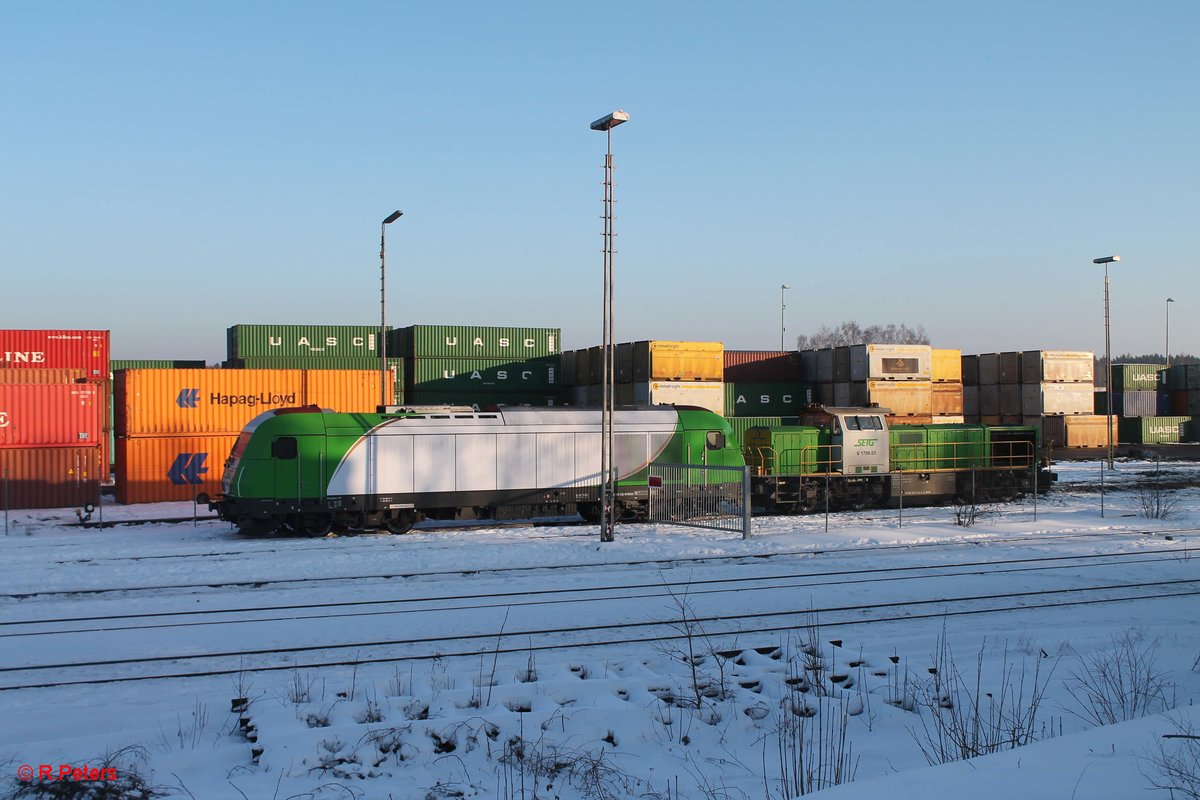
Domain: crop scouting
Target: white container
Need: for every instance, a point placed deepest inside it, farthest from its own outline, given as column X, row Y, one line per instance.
column 703, row 394
column 1057, row 366
column 891, row 362
column 1038, row 399
column 948, row 419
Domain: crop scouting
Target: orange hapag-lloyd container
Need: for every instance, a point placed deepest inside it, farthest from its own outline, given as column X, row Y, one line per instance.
column 154, row 469
column 345, row 391
column 198, row 402
column 49, row 477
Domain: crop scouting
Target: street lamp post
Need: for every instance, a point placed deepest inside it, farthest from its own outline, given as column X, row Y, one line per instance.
column 608, row 483
column 1167, row 344
column 1106, row 260
column 383, row 365
column 782, row 327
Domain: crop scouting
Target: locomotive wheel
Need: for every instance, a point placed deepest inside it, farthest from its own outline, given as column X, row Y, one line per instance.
column 312, row 524
column 589, row 511
column 257, row 527
column 399, row 523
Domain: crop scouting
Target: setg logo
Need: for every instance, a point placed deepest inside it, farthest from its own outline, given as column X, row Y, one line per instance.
column 865, row 443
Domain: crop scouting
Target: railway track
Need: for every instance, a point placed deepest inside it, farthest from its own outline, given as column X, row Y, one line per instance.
column 773, row 621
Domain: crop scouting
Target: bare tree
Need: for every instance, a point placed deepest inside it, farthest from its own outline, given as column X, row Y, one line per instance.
column 852, row 333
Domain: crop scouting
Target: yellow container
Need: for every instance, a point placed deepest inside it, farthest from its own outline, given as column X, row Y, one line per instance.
column 947, row 398
column 947, row 366
column 903, row 398
column 678, row 361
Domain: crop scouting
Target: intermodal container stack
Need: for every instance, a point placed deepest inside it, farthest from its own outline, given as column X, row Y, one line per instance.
column 948, row 396
column 175, row 428
column 765, row 383
column 1135, row 391
column 898, row 377
column 654, row 372
column 1027, row 388
column 479, row 366
column 60, row 355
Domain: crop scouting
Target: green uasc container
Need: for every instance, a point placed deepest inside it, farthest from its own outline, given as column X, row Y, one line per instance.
column 302, row 341
column 788, row 450
column 474, row 341
column 483, row 374
column 767, row 399
column 481, row 400
column 153, row 363
column 1151, row 430
column 1136, row 377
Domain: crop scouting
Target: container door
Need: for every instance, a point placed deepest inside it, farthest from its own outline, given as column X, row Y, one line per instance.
column 300, row 468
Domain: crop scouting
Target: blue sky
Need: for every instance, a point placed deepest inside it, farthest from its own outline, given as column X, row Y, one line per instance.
column 173, row 168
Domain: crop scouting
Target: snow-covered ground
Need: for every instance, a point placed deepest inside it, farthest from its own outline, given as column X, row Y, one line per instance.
column 480, row 662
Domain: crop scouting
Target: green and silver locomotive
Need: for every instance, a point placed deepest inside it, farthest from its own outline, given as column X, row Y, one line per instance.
column 310, row 471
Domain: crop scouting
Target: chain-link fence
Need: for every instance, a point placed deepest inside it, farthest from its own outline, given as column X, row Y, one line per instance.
column 701, row 496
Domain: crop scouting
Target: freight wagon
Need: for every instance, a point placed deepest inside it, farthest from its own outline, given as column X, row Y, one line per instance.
column 309, row 471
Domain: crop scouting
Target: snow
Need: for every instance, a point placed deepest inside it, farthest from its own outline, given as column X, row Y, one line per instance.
column 877, row 599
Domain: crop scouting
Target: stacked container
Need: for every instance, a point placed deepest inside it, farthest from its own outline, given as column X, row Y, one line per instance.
column 898, row 377
column 947, row 400
column 479, row 366
column 327, row 347
column 175, row 428
column 44, row 358
column 765, row 383
column 1135, row 391
column 659, row 372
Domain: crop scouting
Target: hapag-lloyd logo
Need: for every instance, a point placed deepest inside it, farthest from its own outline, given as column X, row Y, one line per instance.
column 190, row 398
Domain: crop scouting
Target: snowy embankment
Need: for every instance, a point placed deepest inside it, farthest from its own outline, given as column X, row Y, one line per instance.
column 861, row 663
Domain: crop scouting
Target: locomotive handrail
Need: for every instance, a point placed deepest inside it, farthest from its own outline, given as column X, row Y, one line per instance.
column 1018, row 454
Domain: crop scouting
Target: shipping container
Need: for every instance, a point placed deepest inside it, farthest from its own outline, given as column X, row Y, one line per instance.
column 948, row 419
column 1080, row 430
column 894, row 420
column 42, row 376
column 623, row 362
column 479, row 374
column 1150, row 430
column 568, row 362
column 678, row 361
column 842, row 396
column 1192, row 377
column 890, row 362
column 762, row 366
column 825, row 366
column 51, row 414
column 155, row 469
column 1136, row 377
column 157, row 402
column 484, row 400
column 990, row 419
column 808, row 366
column 348, row 391
column 1011, row 401
column 989, row 369
column 947, row 366
column 1193, row 403
column 947, row 398
column 1038, row 399
column 971, row 401
column 1135, row 404
column 1057, row 366
column 702, row 394
column 49, row 477
column 989, row 400
column 154, row 363
column 474, row 341
column 767, row 399
column 351, row 363
column 1177, row 404
column 841, row 364
column 302, row 341
column 1174, row 378
column 904, row 398
column 825, row 394
column 595, row 359
column 56, row 349
column 970, row 370
column 1010, row 367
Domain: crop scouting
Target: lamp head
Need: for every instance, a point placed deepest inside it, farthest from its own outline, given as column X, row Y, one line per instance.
column 1106, row 260
column 395, row 215
column 1170, row 299
column 610, row 121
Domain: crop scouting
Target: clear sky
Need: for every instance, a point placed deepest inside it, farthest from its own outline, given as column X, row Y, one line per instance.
column 170, row 169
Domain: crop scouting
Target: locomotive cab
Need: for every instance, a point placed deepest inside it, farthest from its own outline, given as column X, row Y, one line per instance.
column 859, row 437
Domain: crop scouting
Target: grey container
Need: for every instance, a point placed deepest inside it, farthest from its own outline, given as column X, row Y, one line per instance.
column 989, row 400
column 970, row 370
column 989, row 369
column 301, row 341
column 1135, row 404
column 1010, row 399
column 808, row 366
column 825, row 365
column 971, row 401
column 1057, row 366
column 841, row 364
column 1010, row 367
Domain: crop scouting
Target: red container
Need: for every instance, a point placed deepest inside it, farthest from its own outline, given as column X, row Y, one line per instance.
column 51, row 414
column 56, row 349
column 41, row 375
column 49, row 477
column 763, row 366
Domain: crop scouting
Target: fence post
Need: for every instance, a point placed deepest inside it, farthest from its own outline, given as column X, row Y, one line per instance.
column 827, row 498
column 745, row 503
column 900, row 473
column 1035, row 486
column 1101, row 490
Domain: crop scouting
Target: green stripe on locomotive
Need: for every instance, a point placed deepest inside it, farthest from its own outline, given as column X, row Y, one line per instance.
column 789, row 450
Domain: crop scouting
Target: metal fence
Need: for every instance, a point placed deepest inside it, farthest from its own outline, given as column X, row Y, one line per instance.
column 701, row 496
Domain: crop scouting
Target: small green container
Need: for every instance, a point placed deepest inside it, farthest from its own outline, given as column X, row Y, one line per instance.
column 301, row 341
column 474, row 341
column 1151, row 430
column 1136, row 377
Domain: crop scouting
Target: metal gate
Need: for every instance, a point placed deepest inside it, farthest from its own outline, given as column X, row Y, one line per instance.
column 701, row 496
